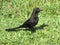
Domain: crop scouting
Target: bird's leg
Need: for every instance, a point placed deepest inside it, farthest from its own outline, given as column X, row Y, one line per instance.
column 32, row 30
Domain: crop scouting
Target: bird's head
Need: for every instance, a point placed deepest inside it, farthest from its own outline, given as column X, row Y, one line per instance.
column 37, row 10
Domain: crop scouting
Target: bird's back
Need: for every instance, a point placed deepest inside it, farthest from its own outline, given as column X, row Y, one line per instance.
column 30, row 23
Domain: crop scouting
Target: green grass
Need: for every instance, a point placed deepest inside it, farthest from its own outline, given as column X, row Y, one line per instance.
column 14, row 12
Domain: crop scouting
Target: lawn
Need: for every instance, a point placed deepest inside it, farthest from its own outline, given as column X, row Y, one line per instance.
column 15, row 12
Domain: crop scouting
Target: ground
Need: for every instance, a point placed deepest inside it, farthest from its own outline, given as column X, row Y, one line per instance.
column 14, row 12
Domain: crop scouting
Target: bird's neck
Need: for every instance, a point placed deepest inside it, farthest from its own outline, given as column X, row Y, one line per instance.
column 34, row 14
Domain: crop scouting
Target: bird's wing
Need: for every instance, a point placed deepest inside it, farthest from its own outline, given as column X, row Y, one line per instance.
column 28, row 22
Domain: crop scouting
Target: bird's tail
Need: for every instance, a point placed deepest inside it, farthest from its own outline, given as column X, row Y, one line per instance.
column 11, row 29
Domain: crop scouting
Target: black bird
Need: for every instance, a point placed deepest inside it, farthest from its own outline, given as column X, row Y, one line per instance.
column 31, row 22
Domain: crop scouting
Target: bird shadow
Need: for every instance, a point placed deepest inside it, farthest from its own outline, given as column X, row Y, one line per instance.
column 37, row 28
column 32, row 29
column 41, row 26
